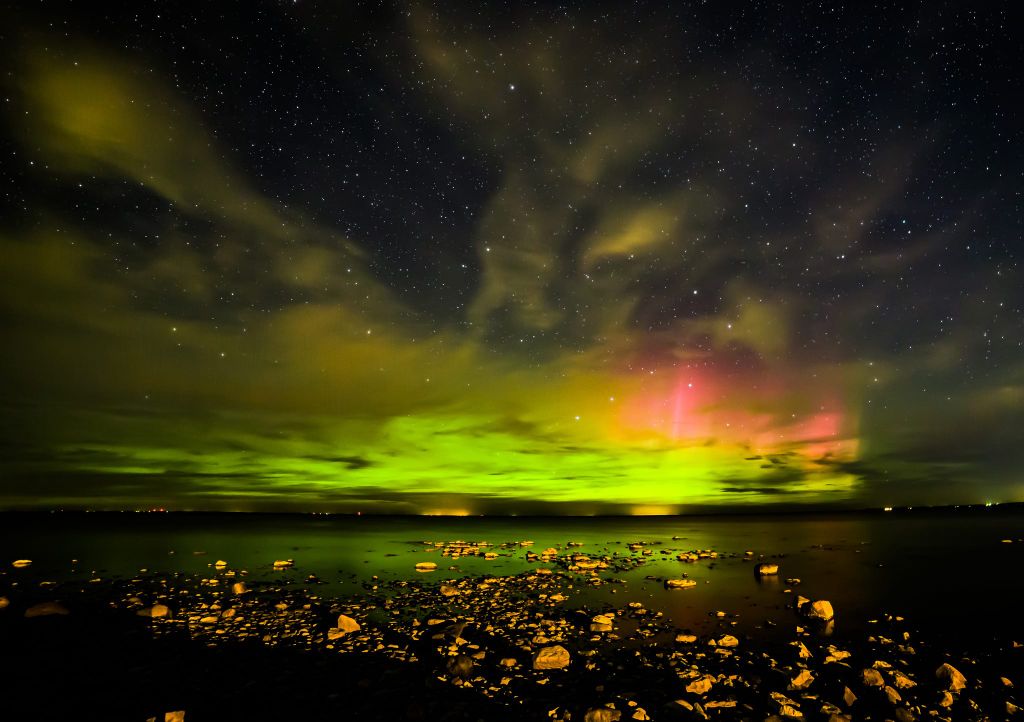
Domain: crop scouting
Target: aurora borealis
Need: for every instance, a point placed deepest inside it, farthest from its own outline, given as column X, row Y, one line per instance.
column 594, row 258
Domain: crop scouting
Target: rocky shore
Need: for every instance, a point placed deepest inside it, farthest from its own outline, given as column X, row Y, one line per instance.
column 439, row 646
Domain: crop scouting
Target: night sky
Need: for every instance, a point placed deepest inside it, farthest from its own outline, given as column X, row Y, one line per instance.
column 460, row 258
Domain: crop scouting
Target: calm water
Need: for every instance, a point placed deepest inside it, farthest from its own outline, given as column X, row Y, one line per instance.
column 941, row 571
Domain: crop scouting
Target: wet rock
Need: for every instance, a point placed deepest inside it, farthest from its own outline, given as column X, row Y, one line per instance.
column 46, row 609
column 891, row 695
column 220, row 564
column 684, row 638
column 820, row 609
column 239, row 588
column 553, row 657
column 447, row 590
column 4, row 602
column 602, row 714
column 950, row 677
column 21, row 563
column 848, row 697
column 157, row 611
column 601, row 623
column 766, row 570
column 727, row 640
column 426, row 566
column 284, row 563
column 945, row 699
column 679, row 583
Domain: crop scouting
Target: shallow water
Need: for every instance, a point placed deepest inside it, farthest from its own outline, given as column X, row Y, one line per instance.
column 945, row 572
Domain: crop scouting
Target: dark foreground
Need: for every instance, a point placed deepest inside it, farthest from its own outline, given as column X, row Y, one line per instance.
column 474, row 648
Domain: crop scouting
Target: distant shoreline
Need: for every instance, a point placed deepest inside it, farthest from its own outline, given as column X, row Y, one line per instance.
column 1011, row 507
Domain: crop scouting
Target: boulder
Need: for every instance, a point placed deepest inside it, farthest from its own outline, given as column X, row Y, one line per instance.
column 802, row 680
column 820, row 609
column 950, row 677
column 553, row 657
column 346, row 624
column 701, row 685
column 46, row 609
column 157, row 611
column 871, row 678
column 460, row 666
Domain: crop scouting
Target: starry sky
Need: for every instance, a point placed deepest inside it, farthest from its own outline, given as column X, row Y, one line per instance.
column 510, row 258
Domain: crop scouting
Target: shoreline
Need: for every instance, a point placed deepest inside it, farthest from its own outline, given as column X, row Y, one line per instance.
column 464, row 649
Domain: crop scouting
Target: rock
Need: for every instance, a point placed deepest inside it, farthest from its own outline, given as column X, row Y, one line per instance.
column 21, row 563
column 448, row 590
column 46, row 609
column 284, row 563
column 820, row 609
column 4, row 602
column 602, row 714
column 209, row 619
column 679, row 583
column 508, row 662
column 945, row 699
column 801, row 650
column 426, row 566
column 684, row 638
column 950, row 676
column 346, row 624
column 701, row 685
column 848, row 697
column 802, row 680
column 766, row 570
column 176, row 716
column 902, row 681
column 891, row 695
column 601, row 623
column 239, row 588
column 553, row 657
column 788, row 711
column 727, row 640
column 460, row 666
column 159, row 611
column 871, row 678
column 640, row 714
column 220, row 564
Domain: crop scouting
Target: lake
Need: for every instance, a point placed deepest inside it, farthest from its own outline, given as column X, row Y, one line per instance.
column 947, row 572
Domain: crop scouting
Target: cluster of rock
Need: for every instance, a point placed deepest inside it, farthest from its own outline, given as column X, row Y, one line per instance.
column 530, row 643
